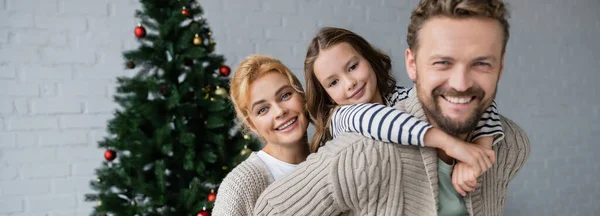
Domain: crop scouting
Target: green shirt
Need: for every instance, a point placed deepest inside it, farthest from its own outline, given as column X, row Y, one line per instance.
column 451, row 202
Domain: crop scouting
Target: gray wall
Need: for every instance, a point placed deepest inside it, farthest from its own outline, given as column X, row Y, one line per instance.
column 59, row 60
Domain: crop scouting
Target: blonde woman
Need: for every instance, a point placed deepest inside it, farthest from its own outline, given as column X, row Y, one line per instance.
column 270, row 102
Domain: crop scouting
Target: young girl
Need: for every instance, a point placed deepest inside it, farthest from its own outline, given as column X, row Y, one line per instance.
column 341, row 68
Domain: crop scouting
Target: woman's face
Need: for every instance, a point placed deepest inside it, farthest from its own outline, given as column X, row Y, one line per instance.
column 277, row 111
column 346, row 75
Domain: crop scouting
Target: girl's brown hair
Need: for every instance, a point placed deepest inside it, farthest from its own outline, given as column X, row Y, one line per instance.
column 319, row 103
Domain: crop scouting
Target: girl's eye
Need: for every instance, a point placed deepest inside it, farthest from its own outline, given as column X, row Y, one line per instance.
column 332, row 83
column 354, row 66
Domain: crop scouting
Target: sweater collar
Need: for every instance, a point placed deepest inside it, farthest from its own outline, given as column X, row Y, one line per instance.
column 413, row 106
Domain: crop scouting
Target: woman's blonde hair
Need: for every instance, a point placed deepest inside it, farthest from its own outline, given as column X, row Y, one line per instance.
column 251, row 69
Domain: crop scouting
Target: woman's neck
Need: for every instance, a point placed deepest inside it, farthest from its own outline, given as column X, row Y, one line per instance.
column 289, row 153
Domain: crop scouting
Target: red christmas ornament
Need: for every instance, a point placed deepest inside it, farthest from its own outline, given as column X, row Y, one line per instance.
column 212, row 196
column 203, row 212
column 224, row 70
column 110, row 155
column 140, row 31
column 130, row 64
column 185, row 11
column 164, row 90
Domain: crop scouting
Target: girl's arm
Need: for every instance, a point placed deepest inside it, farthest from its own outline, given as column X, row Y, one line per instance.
column 379, row 122
column 387, row 124
column 489, row 126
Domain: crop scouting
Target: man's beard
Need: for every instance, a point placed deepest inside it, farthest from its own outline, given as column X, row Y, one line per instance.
column 434, row 113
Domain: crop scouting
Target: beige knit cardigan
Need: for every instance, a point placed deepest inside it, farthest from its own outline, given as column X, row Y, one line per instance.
column 239, row 190
column 354, row 175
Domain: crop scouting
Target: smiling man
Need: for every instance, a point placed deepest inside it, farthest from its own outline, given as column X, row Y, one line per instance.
column 455, row 57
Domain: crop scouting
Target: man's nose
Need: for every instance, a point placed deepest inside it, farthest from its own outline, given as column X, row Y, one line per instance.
column 460, row 80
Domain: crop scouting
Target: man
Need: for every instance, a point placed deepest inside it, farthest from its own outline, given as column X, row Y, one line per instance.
column 455, row 57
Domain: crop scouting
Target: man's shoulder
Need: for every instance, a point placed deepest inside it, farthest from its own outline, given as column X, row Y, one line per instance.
column 513, row 151
column 514, row 135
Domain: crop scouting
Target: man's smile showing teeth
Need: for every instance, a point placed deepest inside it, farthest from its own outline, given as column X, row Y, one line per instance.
column 458, row 100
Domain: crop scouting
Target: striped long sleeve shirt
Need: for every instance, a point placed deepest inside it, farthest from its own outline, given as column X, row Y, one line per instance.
column 384, row 123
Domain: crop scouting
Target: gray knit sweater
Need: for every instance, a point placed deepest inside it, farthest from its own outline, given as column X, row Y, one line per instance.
column 239, row 190
column 354, row 175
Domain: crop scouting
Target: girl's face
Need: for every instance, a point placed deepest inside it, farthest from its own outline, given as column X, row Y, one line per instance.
column 277, row 111
column 346, row 76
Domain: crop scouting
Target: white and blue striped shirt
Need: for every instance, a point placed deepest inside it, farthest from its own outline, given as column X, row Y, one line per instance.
column 388, row 124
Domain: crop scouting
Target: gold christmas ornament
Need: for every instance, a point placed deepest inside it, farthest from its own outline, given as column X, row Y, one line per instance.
column 221, row 91
column 246, row 136
column 197, row 40
column 245, row 151
column 224, row 167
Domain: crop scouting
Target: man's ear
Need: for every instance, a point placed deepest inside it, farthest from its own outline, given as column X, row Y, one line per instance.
column 411, row 64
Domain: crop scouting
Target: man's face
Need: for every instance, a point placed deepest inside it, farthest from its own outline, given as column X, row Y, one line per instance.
column 456, row 69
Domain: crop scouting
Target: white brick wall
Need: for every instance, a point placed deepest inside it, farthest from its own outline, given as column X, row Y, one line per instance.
column 59, row 60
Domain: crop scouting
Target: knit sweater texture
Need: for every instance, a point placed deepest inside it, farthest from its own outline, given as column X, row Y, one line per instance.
column 354, row 175
column 240, row 189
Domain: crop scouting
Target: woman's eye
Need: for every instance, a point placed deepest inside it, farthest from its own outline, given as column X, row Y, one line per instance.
column 286, row 96
column 262, row 110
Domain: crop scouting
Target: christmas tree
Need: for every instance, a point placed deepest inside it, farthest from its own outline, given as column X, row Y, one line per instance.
column 174, row 138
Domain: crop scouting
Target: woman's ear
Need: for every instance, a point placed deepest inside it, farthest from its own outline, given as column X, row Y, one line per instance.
column 251, row 127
